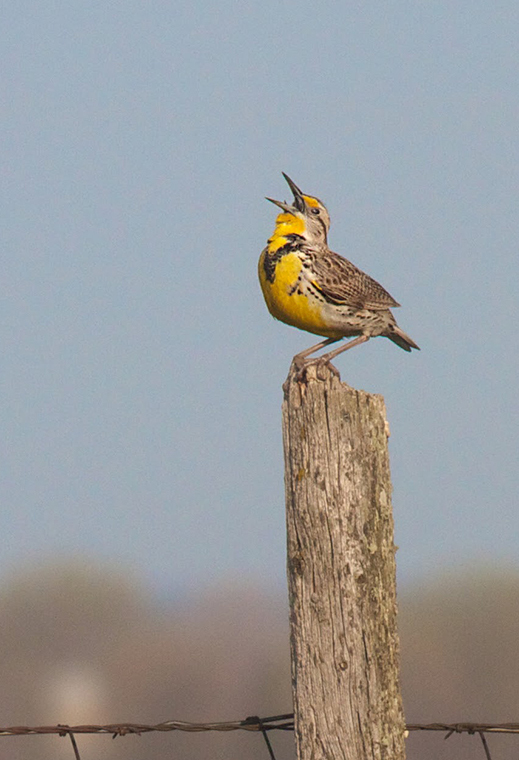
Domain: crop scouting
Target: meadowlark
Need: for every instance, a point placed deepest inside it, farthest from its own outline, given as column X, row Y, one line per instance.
column 308, row 286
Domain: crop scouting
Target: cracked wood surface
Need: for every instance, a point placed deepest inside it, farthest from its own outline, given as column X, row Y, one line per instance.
column 341, row 572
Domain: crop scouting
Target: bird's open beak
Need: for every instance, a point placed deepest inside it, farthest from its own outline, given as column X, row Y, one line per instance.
column 299, row 201
column 283, row 206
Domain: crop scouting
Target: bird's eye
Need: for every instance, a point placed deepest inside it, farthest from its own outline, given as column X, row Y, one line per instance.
column 315, row 211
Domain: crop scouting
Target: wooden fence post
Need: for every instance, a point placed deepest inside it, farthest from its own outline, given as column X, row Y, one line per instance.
column 341, row 572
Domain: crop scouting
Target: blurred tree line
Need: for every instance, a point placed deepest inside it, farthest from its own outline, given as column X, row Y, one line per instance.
column 83, row 644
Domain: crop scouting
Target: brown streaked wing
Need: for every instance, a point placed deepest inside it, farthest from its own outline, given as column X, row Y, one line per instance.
column 341, row 282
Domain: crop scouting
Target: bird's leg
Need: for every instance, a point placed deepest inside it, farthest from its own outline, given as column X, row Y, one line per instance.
column 326, row 358
column 299, row 363
column 298, row 359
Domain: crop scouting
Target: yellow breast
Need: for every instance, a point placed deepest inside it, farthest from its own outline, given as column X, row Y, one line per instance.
column 283, row 300
column 286, row 224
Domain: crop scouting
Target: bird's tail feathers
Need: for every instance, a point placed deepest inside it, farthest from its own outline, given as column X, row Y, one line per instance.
column 399, row 337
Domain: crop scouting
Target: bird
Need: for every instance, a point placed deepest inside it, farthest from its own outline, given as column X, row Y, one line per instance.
column 306, row 285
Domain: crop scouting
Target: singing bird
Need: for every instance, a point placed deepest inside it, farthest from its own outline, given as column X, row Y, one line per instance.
column 307, row 285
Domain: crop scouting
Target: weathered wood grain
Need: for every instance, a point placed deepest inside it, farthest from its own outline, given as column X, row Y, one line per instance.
column 341, row 572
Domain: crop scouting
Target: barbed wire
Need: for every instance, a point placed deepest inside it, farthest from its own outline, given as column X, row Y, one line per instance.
column 468, row 728
column 253, row 723
column 283, row 722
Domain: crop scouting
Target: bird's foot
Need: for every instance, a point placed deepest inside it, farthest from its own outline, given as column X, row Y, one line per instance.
column 320, row 366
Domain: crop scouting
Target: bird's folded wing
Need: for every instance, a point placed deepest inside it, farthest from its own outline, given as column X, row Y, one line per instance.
column 341, row 282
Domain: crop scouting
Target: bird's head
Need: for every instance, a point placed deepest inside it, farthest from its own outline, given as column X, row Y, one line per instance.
column 306, row 217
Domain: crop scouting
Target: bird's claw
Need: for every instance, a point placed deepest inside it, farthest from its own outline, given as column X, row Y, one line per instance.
column 299, row 369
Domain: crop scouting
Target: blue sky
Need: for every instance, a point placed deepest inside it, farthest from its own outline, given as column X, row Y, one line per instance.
column 141, row 372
